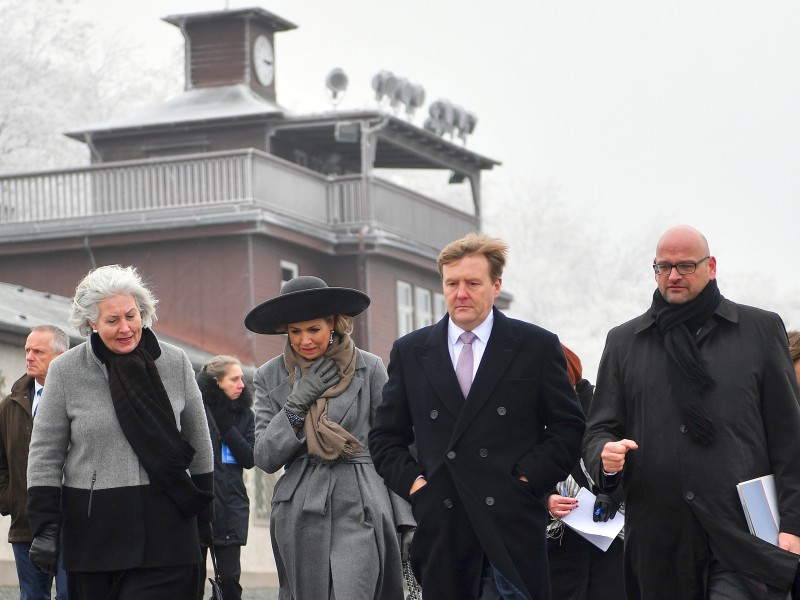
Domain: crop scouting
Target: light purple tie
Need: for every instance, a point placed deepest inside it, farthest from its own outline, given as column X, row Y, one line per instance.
column 465, row 362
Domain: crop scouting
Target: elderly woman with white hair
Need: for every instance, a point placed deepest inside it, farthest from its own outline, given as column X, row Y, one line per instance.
column 120, row 473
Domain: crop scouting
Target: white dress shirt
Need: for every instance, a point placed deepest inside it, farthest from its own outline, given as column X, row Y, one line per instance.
column 482, row 333
column 36, row 396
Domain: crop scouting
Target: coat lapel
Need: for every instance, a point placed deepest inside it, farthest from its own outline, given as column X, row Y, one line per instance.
column 500, row 351
column 434, row 359
column 338, row 406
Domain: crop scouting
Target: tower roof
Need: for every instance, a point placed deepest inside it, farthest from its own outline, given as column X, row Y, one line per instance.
column 197, row 105
column 270, row 20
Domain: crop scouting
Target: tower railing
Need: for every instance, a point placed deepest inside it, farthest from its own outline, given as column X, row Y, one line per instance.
column 110, row 195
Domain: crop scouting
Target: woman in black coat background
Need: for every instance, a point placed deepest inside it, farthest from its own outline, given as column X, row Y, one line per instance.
column 232, row 426
column 579, row 570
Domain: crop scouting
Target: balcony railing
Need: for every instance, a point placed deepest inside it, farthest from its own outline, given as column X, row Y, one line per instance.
column 215, row 182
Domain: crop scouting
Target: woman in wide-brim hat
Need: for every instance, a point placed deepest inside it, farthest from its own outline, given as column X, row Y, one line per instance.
column 334, row 524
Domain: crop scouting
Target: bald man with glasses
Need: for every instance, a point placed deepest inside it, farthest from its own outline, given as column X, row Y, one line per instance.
column 693, row 397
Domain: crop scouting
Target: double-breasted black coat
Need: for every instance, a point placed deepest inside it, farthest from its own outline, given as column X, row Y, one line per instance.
column 521, row 418
column 680, row 497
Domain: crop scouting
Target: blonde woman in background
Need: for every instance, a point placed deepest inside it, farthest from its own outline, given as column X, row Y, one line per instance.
column 230, row 420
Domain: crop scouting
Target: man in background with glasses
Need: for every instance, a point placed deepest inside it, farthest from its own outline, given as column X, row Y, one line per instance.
column 694, row 396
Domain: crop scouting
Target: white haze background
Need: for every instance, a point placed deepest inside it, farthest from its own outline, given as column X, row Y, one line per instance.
column 613, row 120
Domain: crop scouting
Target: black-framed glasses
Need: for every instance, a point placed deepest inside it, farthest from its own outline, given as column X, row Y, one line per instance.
column 684, row 268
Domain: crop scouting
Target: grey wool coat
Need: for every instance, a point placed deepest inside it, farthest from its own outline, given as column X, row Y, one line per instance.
column 333, row 525
column 680, row 497
column 83, row 473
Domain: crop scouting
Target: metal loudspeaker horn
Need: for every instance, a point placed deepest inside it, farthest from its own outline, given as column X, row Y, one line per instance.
column 336, row 82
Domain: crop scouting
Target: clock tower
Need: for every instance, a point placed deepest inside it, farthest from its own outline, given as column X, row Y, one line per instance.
column 231, row 47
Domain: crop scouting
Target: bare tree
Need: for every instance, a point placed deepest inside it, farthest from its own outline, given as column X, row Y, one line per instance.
column 61, row 72
column 579, row 281
column 564, row 273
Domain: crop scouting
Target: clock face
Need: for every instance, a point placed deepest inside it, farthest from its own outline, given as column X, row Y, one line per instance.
column 263, row 60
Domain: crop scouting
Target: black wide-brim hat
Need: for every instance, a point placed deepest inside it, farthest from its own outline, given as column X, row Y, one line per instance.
column 301, row 299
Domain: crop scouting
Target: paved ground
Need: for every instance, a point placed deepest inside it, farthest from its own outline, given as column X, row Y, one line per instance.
column 11, row 593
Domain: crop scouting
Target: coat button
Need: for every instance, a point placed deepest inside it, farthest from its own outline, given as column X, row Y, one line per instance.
column 489, row 501
column 451, row 455
column 501, row 410
column 434, row 414
column 683, row 429
column 448, row 503
column 690, row 495
column 483, row 452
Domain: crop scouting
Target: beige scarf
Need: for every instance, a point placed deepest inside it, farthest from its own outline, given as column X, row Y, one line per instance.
column 325, row 438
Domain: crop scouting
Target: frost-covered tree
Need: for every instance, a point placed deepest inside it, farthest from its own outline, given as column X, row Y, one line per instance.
column 575, row 279
column 60, row 72
column 564, row 273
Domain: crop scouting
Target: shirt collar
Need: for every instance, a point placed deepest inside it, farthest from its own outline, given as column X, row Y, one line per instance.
column 482, row 331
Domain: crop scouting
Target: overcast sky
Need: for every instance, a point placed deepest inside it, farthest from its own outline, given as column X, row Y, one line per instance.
column 636, row 112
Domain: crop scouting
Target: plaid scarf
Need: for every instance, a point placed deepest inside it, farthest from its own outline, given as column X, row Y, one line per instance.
column 146, row 418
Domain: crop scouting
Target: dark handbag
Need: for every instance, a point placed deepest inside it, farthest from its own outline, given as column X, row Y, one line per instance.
column 216, row 581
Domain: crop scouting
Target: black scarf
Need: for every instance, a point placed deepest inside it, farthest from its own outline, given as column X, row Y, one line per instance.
column 690, row 379
column 146, row 418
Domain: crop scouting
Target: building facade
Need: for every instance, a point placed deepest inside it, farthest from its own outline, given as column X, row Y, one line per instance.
column 219, row 195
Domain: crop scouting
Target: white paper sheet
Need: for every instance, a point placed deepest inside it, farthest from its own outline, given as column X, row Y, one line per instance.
column 600, row 534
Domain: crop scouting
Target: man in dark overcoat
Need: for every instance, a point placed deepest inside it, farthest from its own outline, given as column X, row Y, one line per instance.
column 489, row 445
column 17, row 412
column 693, row 397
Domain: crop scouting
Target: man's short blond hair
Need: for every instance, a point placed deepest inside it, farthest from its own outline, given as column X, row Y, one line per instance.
column 494, row 249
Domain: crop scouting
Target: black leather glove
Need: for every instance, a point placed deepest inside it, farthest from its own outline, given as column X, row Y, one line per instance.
column 44, row 549
column 222, row 416
column 605, row 508
column 321, row 375
column 406, row 536
column 206, row 534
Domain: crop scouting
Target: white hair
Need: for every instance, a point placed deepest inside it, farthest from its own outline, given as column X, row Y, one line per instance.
column 59, row 341
column 104, row 282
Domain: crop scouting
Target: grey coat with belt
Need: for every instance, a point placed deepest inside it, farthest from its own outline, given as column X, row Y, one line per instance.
column 333, row 525
column 84, row 475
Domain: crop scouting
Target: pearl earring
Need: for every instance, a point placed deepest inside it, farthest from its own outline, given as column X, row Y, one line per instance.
column 330, row 341
column 94, row 330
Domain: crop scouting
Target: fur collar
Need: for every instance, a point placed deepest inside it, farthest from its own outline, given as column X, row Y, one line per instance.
column 212, row 393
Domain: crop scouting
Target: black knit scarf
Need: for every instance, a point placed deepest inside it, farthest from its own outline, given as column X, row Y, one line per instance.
column 688, row 374
column 145, row 415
